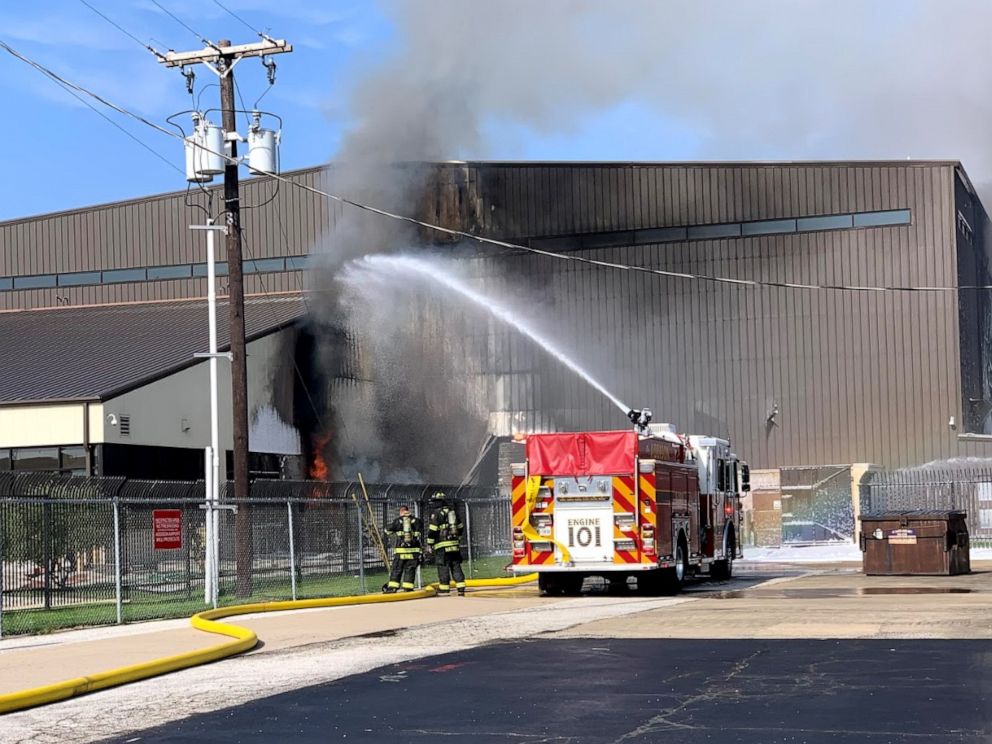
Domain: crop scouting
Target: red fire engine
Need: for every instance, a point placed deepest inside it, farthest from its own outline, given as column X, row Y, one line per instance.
column 647, row 503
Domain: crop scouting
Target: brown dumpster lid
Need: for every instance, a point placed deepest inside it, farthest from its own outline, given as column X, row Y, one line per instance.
column 915, row 514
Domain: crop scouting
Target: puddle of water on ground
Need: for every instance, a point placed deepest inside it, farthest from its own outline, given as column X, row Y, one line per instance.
column 836, row 592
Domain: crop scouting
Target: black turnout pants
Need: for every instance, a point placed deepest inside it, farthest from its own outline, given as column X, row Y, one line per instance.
column 403, row 572
column 449, row 566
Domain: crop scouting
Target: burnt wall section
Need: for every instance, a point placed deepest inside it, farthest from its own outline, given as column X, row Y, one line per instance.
column 973, row 239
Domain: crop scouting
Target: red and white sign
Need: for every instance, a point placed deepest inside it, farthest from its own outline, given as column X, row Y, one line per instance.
column 167, row 529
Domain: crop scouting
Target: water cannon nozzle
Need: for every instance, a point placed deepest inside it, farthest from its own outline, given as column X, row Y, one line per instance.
column 640, row 418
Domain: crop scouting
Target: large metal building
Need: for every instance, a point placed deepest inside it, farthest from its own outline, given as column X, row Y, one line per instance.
column 794, row 377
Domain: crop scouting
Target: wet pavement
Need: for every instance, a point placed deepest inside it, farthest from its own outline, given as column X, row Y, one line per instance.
column 623, row 690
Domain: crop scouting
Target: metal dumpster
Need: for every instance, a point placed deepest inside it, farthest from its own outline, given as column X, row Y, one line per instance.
column 929, row 543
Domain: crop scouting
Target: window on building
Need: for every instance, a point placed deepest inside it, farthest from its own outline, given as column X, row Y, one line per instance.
column 769, row 227
column 124, row 275
column 201, row 269
column 42, row 281
column 660, row 235
column 79, row 278
column 4, row 460
column 882, row 219
column 35, row 459
column 643, row 236
column 829, row 222
column 73, row 460
column 709, row 232
column 185, row 271
column 265, row 265
column 607, row 239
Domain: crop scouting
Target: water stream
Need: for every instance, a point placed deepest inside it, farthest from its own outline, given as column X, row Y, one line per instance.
column 407, row 266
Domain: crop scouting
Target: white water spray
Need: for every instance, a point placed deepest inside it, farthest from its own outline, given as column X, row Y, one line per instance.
column 361, row 270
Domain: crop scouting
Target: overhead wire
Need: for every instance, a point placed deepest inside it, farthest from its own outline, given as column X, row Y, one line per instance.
column 123, row 30
column 69, row 89
column 203, row 39
column 734, row 281
column 238, row 18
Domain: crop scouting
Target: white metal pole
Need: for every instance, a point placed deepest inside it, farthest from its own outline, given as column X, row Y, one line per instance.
column 292, row 549
column 212, row 478
column 117, row 560
column 208, row 550
column 214, row 495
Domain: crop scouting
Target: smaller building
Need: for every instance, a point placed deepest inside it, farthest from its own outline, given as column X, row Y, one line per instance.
column 117, row 390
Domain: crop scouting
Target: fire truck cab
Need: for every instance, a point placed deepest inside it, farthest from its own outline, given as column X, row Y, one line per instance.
column 650, row 504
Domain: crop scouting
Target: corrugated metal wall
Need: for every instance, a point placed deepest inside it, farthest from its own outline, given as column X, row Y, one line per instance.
column 155, row 232
column 856, row 377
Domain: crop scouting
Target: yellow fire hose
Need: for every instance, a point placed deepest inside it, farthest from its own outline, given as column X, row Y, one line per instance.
column 242, row 639
column 533, row 487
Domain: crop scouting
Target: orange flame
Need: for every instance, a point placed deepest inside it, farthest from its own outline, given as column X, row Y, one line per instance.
column 318, row 468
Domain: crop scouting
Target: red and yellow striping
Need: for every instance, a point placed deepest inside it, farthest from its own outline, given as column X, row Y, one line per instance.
column 638, row 503
column 625, row 513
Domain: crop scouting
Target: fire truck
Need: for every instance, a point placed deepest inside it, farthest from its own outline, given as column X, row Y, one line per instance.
column 648, row 503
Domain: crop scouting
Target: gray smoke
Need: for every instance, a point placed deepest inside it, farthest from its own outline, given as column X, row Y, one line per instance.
column 764, row 79
column 758, row 79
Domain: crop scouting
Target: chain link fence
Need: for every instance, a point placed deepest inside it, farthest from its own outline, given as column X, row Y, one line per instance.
column 947, row 485
column 87, row 551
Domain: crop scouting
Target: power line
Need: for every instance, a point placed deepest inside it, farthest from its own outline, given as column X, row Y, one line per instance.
column 63, row 81
column 182, row 23
column 244, row 109
column 238, row 18
column 518, row 246
column 124, row 31
column 68, row 88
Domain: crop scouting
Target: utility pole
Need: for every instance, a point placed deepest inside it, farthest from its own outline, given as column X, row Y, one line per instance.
column 221, row 59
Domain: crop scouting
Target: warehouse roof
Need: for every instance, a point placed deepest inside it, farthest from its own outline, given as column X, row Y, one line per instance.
column 98, row 352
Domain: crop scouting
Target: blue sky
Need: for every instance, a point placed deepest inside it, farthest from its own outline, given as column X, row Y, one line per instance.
column 548, row 80
column 61, row 155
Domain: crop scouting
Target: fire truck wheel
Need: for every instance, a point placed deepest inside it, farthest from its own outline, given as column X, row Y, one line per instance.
column 549, row 585
column 724, row 570
column 674, row 577
column 572, row 584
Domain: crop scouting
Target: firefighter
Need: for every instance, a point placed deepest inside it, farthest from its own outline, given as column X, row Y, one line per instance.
column 443, row 538
column 407, row 531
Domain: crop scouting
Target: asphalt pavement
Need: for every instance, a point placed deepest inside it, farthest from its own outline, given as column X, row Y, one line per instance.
column 599, row 690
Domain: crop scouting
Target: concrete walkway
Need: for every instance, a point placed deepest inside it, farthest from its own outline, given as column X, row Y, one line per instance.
column 828, row 605
column 38, row 660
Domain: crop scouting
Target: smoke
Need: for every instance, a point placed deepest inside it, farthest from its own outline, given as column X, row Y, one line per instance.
column 724, row 79
column 759, row 79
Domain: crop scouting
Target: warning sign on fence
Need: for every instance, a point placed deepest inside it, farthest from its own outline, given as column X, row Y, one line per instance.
column 167, row 529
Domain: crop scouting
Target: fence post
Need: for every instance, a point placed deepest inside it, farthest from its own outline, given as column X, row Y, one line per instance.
column 46, row 547
column 292, row 549
column 468, row 532
column 361, row 549
column 117, row 559
column 3, row 545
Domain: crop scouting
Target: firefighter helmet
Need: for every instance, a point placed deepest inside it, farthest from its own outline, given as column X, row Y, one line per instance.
column 438, row 496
